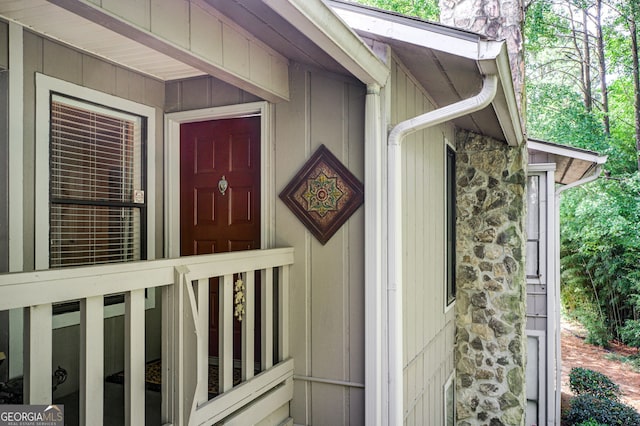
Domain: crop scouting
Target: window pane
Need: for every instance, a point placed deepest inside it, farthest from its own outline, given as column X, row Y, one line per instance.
column 451, row 225
column 95, row 171
column 82, row 235
column 93, row 156
column 533, row 227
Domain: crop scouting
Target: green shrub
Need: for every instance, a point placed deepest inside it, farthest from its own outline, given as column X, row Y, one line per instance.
column 630, row 333
column 586, row 407
column 590, row 422
column 585, row 381
column 597, row 332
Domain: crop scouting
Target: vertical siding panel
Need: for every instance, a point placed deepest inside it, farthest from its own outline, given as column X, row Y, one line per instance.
column 356, row 355
column 61, row 62
column 206, row 34
column 427, row 349
column 170, row 20
column 327, row 267
column 33, row 62
column 292, row 147
column 98, row 74
column 136, row 12
column 195, row 94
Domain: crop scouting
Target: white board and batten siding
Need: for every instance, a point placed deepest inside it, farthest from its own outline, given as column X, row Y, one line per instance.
column 428, row 325
column 327, row 292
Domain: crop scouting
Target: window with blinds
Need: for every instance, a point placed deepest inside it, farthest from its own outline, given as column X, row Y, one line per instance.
column 96, row 182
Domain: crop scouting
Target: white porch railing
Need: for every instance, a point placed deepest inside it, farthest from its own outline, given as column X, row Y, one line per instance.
column 185, row 333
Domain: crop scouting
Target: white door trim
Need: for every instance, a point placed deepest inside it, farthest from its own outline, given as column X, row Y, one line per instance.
column 172, row 167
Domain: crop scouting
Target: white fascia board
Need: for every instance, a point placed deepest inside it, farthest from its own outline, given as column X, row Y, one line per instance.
column 494, row 59
column 320, row 24
column 566, row 151
column 410, row 34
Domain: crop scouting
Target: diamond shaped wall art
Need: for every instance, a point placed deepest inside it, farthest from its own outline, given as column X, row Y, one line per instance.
column 323, row 194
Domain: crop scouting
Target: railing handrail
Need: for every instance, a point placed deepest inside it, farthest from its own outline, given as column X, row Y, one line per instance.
column 21, row 289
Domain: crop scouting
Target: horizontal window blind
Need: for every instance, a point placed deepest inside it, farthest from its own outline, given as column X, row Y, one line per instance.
column 95, row 175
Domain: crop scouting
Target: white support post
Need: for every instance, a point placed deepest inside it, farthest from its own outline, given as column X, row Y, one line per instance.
column 134, row 354
column 37, row 363
column 225, row 330
column 267, row 319
column 202, row 373
column 283, row 313
column 91, row 360
column 248, row 326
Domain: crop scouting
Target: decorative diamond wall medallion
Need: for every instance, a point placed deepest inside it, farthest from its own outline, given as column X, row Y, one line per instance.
column 323, row 194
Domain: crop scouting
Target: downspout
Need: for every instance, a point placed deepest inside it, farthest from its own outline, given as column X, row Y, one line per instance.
column 559, row 192
column 394, row 176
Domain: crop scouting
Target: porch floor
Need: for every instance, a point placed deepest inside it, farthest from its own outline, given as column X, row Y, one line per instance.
column 113, row 406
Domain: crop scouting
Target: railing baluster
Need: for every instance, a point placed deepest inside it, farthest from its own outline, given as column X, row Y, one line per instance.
column 267, row 318
column 225, row 330
column 91, row 360
column 134, row 367
column 202, row 374
column 37, row 371
column 248, row 327
column 283, row 314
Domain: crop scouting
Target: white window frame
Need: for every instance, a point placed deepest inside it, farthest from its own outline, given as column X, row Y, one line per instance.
column 45, row 85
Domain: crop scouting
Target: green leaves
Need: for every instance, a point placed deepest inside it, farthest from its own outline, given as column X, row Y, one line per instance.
column 425, row 9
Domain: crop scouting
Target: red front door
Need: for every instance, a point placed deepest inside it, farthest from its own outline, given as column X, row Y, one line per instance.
column 217, row 217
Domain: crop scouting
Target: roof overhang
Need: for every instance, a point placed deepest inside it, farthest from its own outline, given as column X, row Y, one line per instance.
column 141, row 36
column 449, row 63
column 318, row 23
column 572, row 164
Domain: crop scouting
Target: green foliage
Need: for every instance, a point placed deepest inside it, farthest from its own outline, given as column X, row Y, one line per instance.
column 590, row 422
column 425, row 9
column 541, row 26
column 597, row 331
column 586, row 407
column 600, row 248
column 585, row 381
column 630, row 333
column 563, row 119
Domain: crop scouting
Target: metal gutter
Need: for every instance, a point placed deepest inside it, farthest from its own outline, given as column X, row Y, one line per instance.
column 394, row 283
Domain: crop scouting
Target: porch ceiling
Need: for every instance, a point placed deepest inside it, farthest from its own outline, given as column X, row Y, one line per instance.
column 275, row 31
column 46, row 18
column 59, row 24
column 572, row 164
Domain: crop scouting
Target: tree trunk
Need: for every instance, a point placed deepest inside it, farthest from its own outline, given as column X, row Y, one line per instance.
column 636, row 79
column 586, row 61
column 602, row 69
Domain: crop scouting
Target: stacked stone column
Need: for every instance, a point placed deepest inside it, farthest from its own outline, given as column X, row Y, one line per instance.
column 490, row 305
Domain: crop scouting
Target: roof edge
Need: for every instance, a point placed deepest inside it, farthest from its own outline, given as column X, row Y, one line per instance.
column 319, row 23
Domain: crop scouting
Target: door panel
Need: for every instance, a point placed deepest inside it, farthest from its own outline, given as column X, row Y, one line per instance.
column 213, row 221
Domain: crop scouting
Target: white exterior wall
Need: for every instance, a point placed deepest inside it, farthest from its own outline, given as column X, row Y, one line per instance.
column 327, row 282
column 428, row 325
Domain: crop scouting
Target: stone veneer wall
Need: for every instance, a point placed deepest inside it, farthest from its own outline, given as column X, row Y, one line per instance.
column 491, row 292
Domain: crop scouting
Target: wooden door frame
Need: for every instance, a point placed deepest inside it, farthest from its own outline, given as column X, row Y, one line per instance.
column 172, row 168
